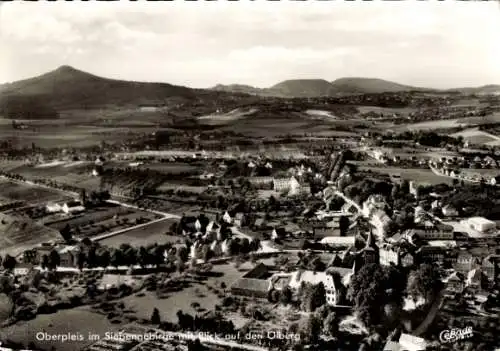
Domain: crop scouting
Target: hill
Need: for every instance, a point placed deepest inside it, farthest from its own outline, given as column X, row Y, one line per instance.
column 485, row 89
column 357, row 85
column 303, row 88
column 238, row 88
column 67, row 88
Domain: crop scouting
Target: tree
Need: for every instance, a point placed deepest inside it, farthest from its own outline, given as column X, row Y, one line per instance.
column 371, row 288
column 9, row 262
column 310, row 330
column 66, row 233
column 155, row 316
column 116, row 258
column 81, row 258
column 331, row 325
column 423, row 282
column 286, row 295
column 54, row 259
column 45, row 262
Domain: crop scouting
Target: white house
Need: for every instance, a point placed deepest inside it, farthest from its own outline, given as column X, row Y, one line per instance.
column 332, row 288
column 449, row 211
column 53, row 208
column 215, row 247
column 381, row 221
column 314, row 278
column 227, row 217
column 480, row 224
column 338, row 240
column 197, row 225
column 74, row 206
column 225, row 247
column 281, row 184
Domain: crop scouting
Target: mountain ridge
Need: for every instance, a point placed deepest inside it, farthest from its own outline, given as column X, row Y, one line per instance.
column 67, row 87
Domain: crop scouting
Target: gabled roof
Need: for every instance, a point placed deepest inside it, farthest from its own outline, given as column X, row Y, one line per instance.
column 257, row 285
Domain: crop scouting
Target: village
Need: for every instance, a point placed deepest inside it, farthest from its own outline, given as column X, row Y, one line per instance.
column 317, row 237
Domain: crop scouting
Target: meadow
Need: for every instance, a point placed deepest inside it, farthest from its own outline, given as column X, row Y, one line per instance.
column 29, row 193
column 150, row 234
column 75, row 321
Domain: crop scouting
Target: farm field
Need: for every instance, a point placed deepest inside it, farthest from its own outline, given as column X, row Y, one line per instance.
column 78, row 320
column 172, row 167
column 416, row 174
column 385, row 110
column 18, row 232
column 101, row 220
column 449, row 123
column 48, row 136
column 150, row 234
column 29, row 193
column 478, row 137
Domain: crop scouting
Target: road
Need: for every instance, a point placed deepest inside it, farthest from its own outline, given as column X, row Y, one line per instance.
column 434, row 309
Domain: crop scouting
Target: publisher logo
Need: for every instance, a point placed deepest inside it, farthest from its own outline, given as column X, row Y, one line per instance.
column 453, row 335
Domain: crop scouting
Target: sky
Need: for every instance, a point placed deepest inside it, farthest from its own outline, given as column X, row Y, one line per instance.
column 200, row 44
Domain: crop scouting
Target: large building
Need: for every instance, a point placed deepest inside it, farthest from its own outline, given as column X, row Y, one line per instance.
column 480, row 224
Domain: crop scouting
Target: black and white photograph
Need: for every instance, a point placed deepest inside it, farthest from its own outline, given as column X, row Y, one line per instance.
column 250, row 175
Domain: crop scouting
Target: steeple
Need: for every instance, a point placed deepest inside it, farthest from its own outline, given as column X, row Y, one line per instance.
column 371, row 241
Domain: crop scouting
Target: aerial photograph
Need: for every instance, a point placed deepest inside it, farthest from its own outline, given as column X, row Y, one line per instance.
column 250, row 176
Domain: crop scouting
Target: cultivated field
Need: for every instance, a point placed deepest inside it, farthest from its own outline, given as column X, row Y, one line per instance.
column 465, row 122
column 102, row 220
column 478, row 137
column 150, row 234
column 29, row 193
column 172, row 167
column 418, row 175
column 21, row 232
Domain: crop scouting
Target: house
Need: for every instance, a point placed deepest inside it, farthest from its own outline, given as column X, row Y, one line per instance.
column 394, row 255
column 278, row 233
column 449, row 211
column 68, row 255
column 53, row 208
column 212, row 229
column 322, row 231
column 474, row 279
column 226, row 247
column 240, row 219
column 432, row 254
column 259, row 224
column 254, row 283
column 338, row 240
column 431, row 231
column 99, row 161
column 412, row 343
column 227, row 217
column 381, row 221
column 74, row 206
column 216, row 249
column 491, row 267
column 289, row 185
column 332, row 286
column 261, row 182
column 255, row 288
column 455, row 283
column 480, row 224
column 465, row 262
